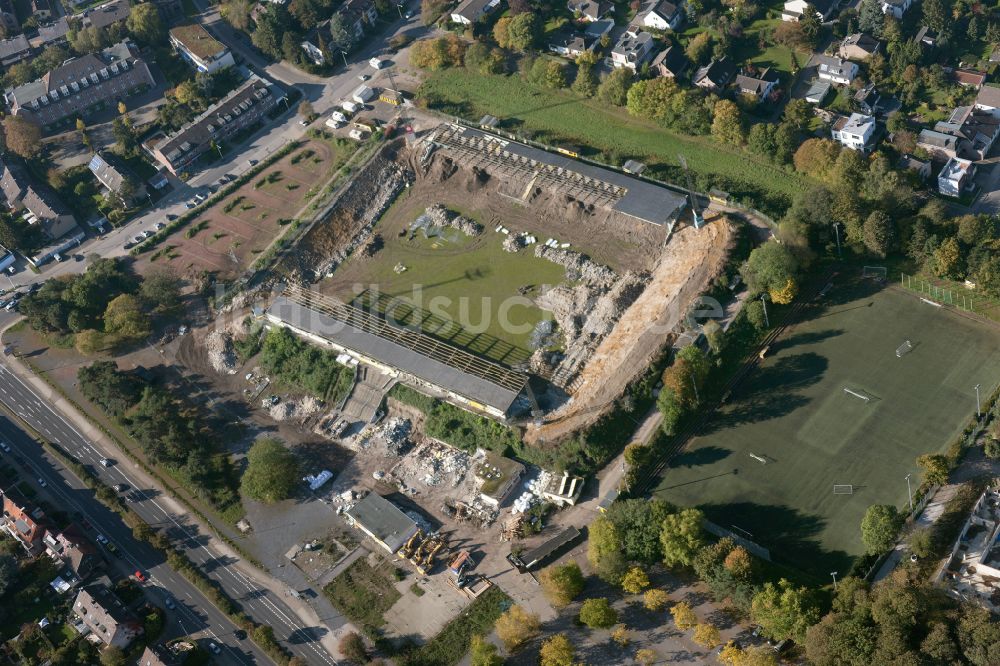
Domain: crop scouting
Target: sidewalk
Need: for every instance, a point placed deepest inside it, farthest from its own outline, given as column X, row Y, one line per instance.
column 305, row 614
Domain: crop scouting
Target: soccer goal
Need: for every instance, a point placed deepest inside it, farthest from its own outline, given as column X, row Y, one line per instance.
column 904, row 348
column 857, row 395
column 761, row 459
column 874, row 272
column 843, row 489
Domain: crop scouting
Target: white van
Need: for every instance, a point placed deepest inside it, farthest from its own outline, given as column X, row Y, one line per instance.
column 376, row 63
column 350, row 107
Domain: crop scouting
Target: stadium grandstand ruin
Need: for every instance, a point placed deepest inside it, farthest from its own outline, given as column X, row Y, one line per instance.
column 526, row 168
column 415, row 358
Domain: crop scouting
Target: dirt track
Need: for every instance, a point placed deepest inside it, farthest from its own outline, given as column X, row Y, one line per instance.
column 690, row 260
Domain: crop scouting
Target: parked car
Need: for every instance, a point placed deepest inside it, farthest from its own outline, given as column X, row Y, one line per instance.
column 114, row 549
column 169, row 603
column 240, row 635
column 214, row 648
column 5, row 446
column 107, row 462
column 159, row 225
column 363, row 77
column 138, row 239
column 101, row 539
column 42, row 483
column 121, row 487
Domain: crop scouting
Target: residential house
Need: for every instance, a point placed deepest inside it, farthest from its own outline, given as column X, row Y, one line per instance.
column 759, row 84
column 671, row 62
column 116, row 179
column 597, row 29
column 955, row 178
column 858, row 46
column 159, row 655
column 104, row 614
column 570, row 45
column 977, row 131
column 817, row 92
column 633, row 49
column 240, row 109
column 589, row 10
column 470, row 11
column 313, row 44
column 81, row 86
column 51, row 34
column 663, row 15
column 854, row 131
column 359, row 14
column 107, row 14
column 938, row 145
column 925, row 37
column 14, row 49
column 199, row 48
column 922, row 168
column 714, row 76
column 25, row 524
column 72, row 549
column 37, row 204
column 381, row 520
column 969, row 78
column 867, row 99
column 836, row 70
column 896, row 8
column 988, row 100
column 794, row 9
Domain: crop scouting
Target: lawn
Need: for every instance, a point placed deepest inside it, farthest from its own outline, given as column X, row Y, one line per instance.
column 793, row 411
column 607, row 134
column 470, row 284
column 363, row 594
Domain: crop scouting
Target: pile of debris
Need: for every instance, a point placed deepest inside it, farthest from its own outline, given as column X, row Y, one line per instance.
column 221, row 355
column 439, row 216
column 513, row 243
column 331, row 426
column 301, row 409
column 433, row 464
column 395, row 433
column 578, row 266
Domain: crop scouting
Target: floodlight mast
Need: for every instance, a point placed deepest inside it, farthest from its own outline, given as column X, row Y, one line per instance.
column 695, row 213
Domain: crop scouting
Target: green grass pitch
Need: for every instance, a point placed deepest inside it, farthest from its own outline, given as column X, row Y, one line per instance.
column 794, row 411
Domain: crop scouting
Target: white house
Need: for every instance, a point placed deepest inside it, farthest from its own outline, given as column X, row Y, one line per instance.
column 896, row 8
column 837, row 70
column 632, row 50
column 854, row 132
column 470, row 11
column 203, row 51
column 664, row 15
column 956, row 177
column 794, row 9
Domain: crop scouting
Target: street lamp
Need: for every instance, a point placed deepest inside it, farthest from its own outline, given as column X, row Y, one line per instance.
column 909, row 492
column 836, row 230
column 399, row 8
column 764, row 303
column 344, row 53
column 834, row 574
column 978, row 411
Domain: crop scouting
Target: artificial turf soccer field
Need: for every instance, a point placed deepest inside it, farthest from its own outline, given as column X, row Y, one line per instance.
column 793, row 410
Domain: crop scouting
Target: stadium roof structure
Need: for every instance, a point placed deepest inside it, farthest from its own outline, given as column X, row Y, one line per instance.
column 473, row 381
column 619, row 192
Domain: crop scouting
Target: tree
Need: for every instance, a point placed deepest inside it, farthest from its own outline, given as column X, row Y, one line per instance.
column 638, row 523
column 635, row 581
column 870, row 17
column 922, row 542
column 879, row 528
column 483, row 653
column 516, row 627
column 585, row 84
column 761, row 655
column 761, row 139
column 161, row 290
column 699, row 48
column 557, row 651
column 621, row 635
column 306, row 110
column 935, row 468
column 811, row 26
column 770, row 268
column 89, row 341
column 655, row 600
column 739, row 563
column 947, row 259
column 681, row 536
column 145, row 24
column 272, row 473
column 125, row 320
column 683, row 614
column 714, row 336
column 755, row 314
column 604, row 550
column 555, row 74
column 816, row 157
column 561, row 583
column 614, row 89
column 651, row 98
column 727, row 123
column 352, row 646
column 706, row 635
column 784, row 611
column 879, row 233
column 598, row 614
column 992, row 449
column 517, row 32
column 113, row 656
column 8, row 571
column 126, row 141
column 341, row 38
column 23, row 136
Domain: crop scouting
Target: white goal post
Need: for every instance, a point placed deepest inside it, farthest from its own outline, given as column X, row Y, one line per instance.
column 904, row 348
column 877, row 272
column 761, row 459
column 856, row 394
column 843, row 489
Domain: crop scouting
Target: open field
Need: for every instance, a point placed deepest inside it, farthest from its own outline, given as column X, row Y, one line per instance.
column 593, row 128
column 227, row 238
column 793, row 411
column 364, row 593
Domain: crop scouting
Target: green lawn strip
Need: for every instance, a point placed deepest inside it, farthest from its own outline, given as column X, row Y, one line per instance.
column 609, row 135
column 452, row 643
column 794, row 411
column 364, row 594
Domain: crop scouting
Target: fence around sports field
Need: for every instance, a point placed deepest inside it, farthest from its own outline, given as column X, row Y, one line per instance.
column 950, row 292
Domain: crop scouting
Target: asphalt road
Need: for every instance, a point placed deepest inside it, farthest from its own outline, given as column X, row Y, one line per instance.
column 256, row 600
column 193, row 613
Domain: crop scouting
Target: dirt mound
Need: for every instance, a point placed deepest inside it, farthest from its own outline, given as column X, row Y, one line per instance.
column 298, row 410
column 221, row 355
column 439, row 216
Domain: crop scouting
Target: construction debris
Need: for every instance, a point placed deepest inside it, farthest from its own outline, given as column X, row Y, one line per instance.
column 221, row 355
column 295, row 409
column 439, row 216
column 578, row 266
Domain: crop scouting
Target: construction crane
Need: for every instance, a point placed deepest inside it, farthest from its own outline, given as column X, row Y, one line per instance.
column 695, row 212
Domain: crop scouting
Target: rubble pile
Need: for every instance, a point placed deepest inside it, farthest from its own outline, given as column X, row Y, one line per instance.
column 578, row 266
column 395, row 433
column 299, row 409
column 513, row 243
column 221, row 355
column 439, row 216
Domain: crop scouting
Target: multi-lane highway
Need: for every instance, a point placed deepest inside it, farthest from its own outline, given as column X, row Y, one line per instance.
column 259, row 602
column 193, row 613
